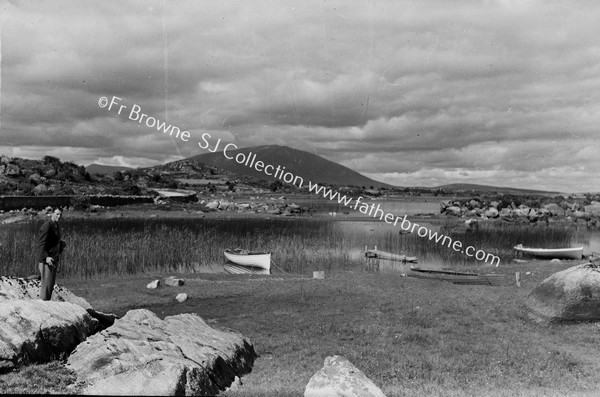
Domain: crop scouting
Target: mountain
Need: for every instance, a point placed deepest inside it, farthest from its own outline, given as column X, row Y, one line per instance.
column 105, row 169
column 298, row 162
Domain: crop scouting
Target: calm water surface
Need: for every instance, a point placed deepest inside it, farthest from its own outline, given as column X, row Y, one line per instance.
column 375, row 231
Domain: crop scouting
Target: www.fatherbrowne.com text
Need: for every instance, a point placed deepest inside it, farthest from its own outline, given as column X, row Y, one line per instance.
column 250, row 160
column 405, row 224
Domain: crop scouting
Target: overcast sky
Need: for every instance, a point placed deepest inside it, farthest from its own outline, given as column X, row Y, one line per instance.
column 412, row 93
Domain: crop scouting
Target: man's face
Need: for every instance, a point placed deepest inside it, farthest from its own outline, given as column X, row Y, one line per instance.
column 56, row 215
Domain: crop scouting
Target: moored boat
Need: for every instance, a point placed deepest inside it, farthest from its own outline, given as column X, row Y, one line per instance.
column 458, row 277
column 552, row 253
column 377, row 254
column 249, row 258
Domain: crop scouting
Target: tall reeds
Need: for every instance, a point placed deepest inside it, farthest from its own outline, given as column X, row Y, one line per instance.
column 98, row 247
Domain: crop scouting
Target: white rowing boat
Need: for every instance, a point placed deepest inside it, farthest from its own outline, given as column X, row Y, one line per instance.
column 551, row 253
column 249, row 258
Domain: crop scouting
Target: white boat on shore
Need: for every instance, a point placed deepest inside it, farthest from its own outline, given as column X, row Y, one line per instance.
column 552, row 253
column 247, row 258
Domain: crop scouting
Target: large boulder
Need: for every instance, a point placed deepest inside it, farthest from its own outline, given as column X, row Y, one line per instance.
column 593, row 209
column 29, row 289
column 40, row 190
column 142, row 355
column 444, row 204
column 492, row 212
column 555, row 209
column 567, row 296
column 21, row 288
column 40, row 331
column 213, row 205
column 226, row 205
column 454, row 210
column 12, row 170
column 339, row 377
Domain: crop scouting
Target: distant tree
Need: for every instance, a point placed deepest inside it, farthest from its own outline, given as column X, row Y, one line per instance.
column 118, row 175
column 26, row 188
column 51, row 160
column 63, row 176
column 133, row 190
column 275, row 186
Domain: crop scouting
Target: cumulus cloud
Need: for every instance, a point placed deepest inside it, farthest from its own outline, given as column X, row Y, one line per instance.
column 411, row 93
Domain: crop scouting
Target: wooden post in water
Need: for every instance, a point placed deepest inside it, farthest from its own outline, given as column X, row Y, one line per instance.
column 518, row 278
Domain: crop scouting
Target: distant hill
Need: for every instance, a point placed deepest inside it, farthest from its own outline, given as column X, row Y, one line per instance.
column 105, row 169
column 468, row 187
column 309, row 166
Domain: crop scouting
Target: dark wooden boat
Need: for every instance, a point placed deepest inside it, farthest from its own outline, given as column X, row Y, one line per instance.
column 458, row 277
column 377, row 254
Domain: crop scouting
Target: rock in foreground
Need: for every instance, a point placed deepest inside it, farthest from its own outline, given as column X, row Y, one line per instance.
column 39, row 331
column 339, row 377
column 20, row 288
column 28, row 289
column 568, row 296
column 143, row 355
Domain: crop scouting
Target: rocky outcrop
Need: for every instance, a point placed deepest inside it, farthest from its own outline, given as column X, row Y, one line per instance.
column 20, row 288
column 29, row 289
column 522, row 213
column 339, row 377
column 39, row 331
column 256, row 207
column 568, row 296
column 141, row 355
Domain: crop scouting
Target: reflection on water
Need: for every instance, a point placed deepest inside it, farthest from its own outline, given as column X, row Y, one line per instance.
column 431, row 255
column 387, row 238
column 396, row 207
column 590, row 239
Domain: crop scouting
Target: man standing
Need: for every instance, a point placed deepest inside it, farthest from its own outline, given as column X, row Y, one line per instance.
column 49, row 249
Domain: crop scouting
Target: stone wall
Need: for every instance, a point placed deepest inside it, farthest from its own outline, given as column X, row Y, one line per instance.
column 8, row 203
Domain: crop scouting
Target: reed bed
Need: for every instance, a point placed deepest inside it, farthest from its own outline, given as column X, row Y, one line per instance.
column 97, row 247
column 130, row 246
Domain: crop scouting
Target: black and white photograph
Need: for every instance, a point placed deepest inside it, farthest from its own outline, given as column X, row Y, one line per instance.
column 300, row 198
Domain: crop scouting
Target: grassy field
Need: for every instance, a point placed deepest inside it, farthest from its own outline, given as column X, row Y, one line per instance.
column 411, row 337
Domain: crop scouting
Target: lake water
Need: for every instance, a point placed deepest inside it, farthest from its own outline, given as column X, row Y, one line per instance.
column 397, row 207
column 375, row 230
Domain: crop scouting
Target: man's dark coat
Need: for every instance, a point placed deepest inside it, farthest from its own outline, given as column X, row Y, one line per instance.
column 49, row 241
